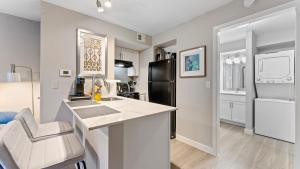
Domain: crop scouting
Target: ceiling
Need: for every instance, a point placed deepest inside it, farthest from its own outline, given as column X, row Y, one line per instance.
column 145, row 16
column 276, row 22
column 29, row 9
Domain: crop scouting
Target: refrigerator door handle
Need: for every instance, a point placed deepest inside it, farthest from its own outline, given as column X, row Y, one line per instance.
column 173, row 94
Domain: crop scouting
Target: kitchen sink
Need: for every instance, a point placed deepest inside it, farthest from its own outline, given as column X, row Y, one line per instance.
column 110, row 99
column 82, row 103
column 90, row 102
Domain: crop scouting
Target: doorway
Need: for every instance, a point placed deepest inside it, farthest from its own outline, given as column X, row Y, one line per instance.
column 237, row 92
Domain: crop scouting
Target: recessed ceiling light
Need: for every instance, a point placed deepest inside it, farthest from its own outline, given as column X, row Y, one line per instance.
column 107, row 4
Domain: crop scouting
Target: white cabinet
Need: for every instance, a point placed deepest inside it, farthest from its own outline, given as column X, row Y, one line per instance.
column 233, row 111
column 238, row 112
column 118, row 54
column 226, row 110
column 135, row 59
column 126, row 55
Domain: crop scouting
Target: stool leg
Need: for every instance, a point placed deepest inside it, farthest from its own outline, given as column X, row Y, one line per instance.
column 84, row 165
column 78, row 165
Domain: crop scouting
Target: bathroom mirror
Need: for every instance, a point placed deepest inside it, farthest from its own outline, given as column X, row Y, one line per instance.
column 232, row 71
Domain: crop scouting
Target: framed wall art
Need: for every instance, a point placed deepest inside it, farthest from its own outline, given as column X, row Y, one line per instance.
column 193, row 62
column 91, row 53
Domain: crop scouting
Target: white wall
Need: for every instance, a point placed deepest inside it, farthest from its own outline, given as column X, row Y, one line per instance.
column 194, row 100
column 142, row 81
column 58, row 51
column 19, row 44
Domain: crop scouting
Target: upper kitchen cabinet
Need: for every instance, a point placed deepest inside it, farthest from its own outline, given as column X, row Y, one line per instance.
column 118, row 55
column 131, row 56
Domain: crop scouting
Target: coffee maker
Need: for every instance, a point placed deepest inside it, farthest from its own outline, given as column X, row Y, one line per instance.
column 79, row 86
column 79, row 90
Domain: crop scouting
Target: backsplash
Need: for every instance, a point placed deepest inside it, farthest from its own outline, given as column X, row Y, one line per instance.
column 121, row 74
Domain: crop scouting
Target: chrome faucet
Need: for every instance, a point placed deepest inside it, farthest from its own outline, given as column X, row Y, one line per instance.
column 106, row 84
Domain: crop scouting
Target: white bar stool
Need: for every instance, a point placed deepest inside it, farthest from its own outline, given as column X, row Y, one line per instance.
column 19, row 152
column 42, row 131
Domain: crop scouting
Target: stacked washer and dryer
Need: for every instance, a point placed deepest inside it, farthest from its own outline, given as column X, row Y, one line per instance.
column 275, row 105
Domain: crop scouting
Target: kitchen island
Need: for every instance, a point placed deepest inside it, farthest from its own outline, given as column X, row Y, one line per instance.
column 124, row 133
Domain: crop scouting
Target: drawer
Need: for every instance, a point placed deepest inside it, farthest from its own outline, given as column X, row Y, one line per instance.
column 233, row 98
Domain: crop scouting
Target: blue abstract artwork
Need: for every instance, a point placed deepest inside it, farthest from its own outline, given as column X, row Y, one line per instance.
column 192, row 62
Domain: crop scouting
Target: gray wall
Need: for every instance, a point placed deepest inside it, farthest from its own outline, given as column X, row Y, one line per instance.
column 297, row 147
column 19, row 44
column 194, row 100
column 58, row 51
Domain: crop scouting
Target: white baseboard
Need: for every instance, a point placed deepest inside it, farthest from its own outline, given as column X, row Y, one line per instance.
column 195, row 144
column 248, row 131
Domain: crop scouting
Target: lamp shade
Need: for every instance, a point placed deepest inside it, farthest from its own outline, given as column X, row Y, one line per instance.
column 13, row 77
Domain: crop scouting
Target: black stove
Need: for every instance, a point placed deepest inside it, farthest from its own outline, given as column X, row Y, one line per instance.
column 132, row 95
column 126, row 90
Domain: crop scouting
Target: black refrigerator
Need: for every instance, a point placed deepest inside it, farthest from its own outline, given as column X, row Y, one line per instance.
column 162, row 86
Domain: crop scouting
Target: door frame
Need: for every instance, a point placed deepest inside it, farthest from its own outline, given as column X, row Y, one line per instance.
column 216, row 67
column 297, row 88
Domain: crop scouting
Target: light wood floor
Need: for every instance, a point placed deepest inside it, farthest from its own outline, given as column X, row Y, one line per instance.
column 237, row 151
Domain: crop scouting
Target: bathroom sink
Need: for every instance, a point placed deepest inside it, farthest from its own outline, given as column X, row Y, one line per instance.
column 110, row 99
column 82, row 103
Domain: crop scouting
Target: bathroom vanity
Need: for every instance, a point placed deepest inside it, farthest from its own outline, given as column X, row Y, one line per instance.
column 232, row 87
column 124, row 133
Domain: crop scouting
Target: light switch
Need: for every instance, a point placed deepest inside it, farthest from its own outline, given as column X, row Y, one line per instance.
column 54, row 84
column 207, row 84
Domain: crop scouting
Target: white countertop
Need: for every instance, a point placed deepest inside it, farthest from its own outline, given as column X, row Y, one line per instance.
column 241, row 93
column 129, row 109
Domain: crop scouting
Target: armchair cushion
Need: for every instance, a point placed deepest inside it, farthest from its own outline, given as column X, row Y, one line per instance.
column 6, row 117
